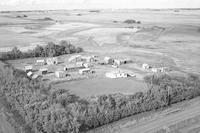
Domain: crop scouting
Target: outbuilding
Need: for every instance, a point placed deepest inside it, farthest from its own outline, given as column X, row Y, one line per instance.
column 35, row 76
column 108, row 60
column 43, row 71
column 29, row 74
column 28, row 68
column 156, row 70
column 52, row 61
column 146, row 66
column 84, row 71
column 40, row 62
column 60, row 74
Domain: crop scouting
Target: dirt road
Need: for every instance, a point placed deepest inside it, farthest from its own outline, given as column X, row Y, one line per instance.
column 163, row 121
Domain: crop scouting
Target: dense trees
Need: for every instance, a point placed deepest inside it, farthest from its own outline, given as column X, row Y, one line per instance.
column 49, row 50
column 49, row 110
column 40, row 107
column 132, row 21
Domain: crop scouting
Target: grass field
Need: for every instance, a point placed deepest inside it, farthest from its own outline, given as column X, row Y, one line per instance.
column 93, row 87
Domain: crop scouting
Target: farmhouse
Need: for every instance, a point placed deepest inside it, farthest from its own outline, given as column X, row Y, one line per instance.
column 40, row 62
column 116, row 74
column 146, row 66
column 60, row 74
column 52, row 61
column 108, row 60
column 43, row 71
column 84, row 71
column 28, row 68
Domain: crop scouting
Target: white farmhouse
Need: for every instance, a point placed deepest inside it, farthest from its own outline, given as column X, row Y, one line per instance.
column 116, row 74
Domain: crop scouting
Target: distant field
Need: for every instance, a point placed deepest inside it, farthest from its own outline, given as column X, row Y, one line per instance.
column 173, row 37
column 92, row 87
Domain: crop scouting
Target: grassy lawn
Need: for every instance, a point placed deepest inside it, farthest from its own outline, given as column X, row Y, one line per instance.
column 91, row 87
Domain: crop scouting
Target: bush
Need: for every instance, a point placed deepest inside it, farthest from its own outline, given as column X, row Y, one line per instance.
column 130, row 21
column 48, row 19
column 36, row 104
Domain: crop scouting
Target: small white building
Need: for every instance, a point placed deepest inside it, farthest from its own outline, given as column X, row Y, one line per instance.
column 79, row 64
column 156, row 70
column 28, row 68
column 117, row 62
column 60, row 74
column 43, row 71
column 108, row 60
column 35, row 76
column 40, row 62
column 29, row 74
column 52, row 61
column 116, row 74
column 146, row 66
column 87, row 65
column 164, row 69
column 84, row 71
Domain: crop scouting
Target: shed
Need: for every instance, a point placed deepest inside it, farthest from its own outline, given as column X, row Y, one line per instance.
column 52, row 61
column 156, row 70
column 84, row 71
column 43, row 71
column 60, row 74
column 146, row 66
column 164, row 69
column 117, row 62
column 29, row 74
column 87, row 65
column 28, row 68
column 35, row 76
column 73, row 67
column 40, row 62
column 108, row 60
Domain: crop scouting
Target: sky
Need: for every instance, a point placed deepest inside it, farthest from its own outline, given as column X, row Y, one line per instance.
column 85, row 4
